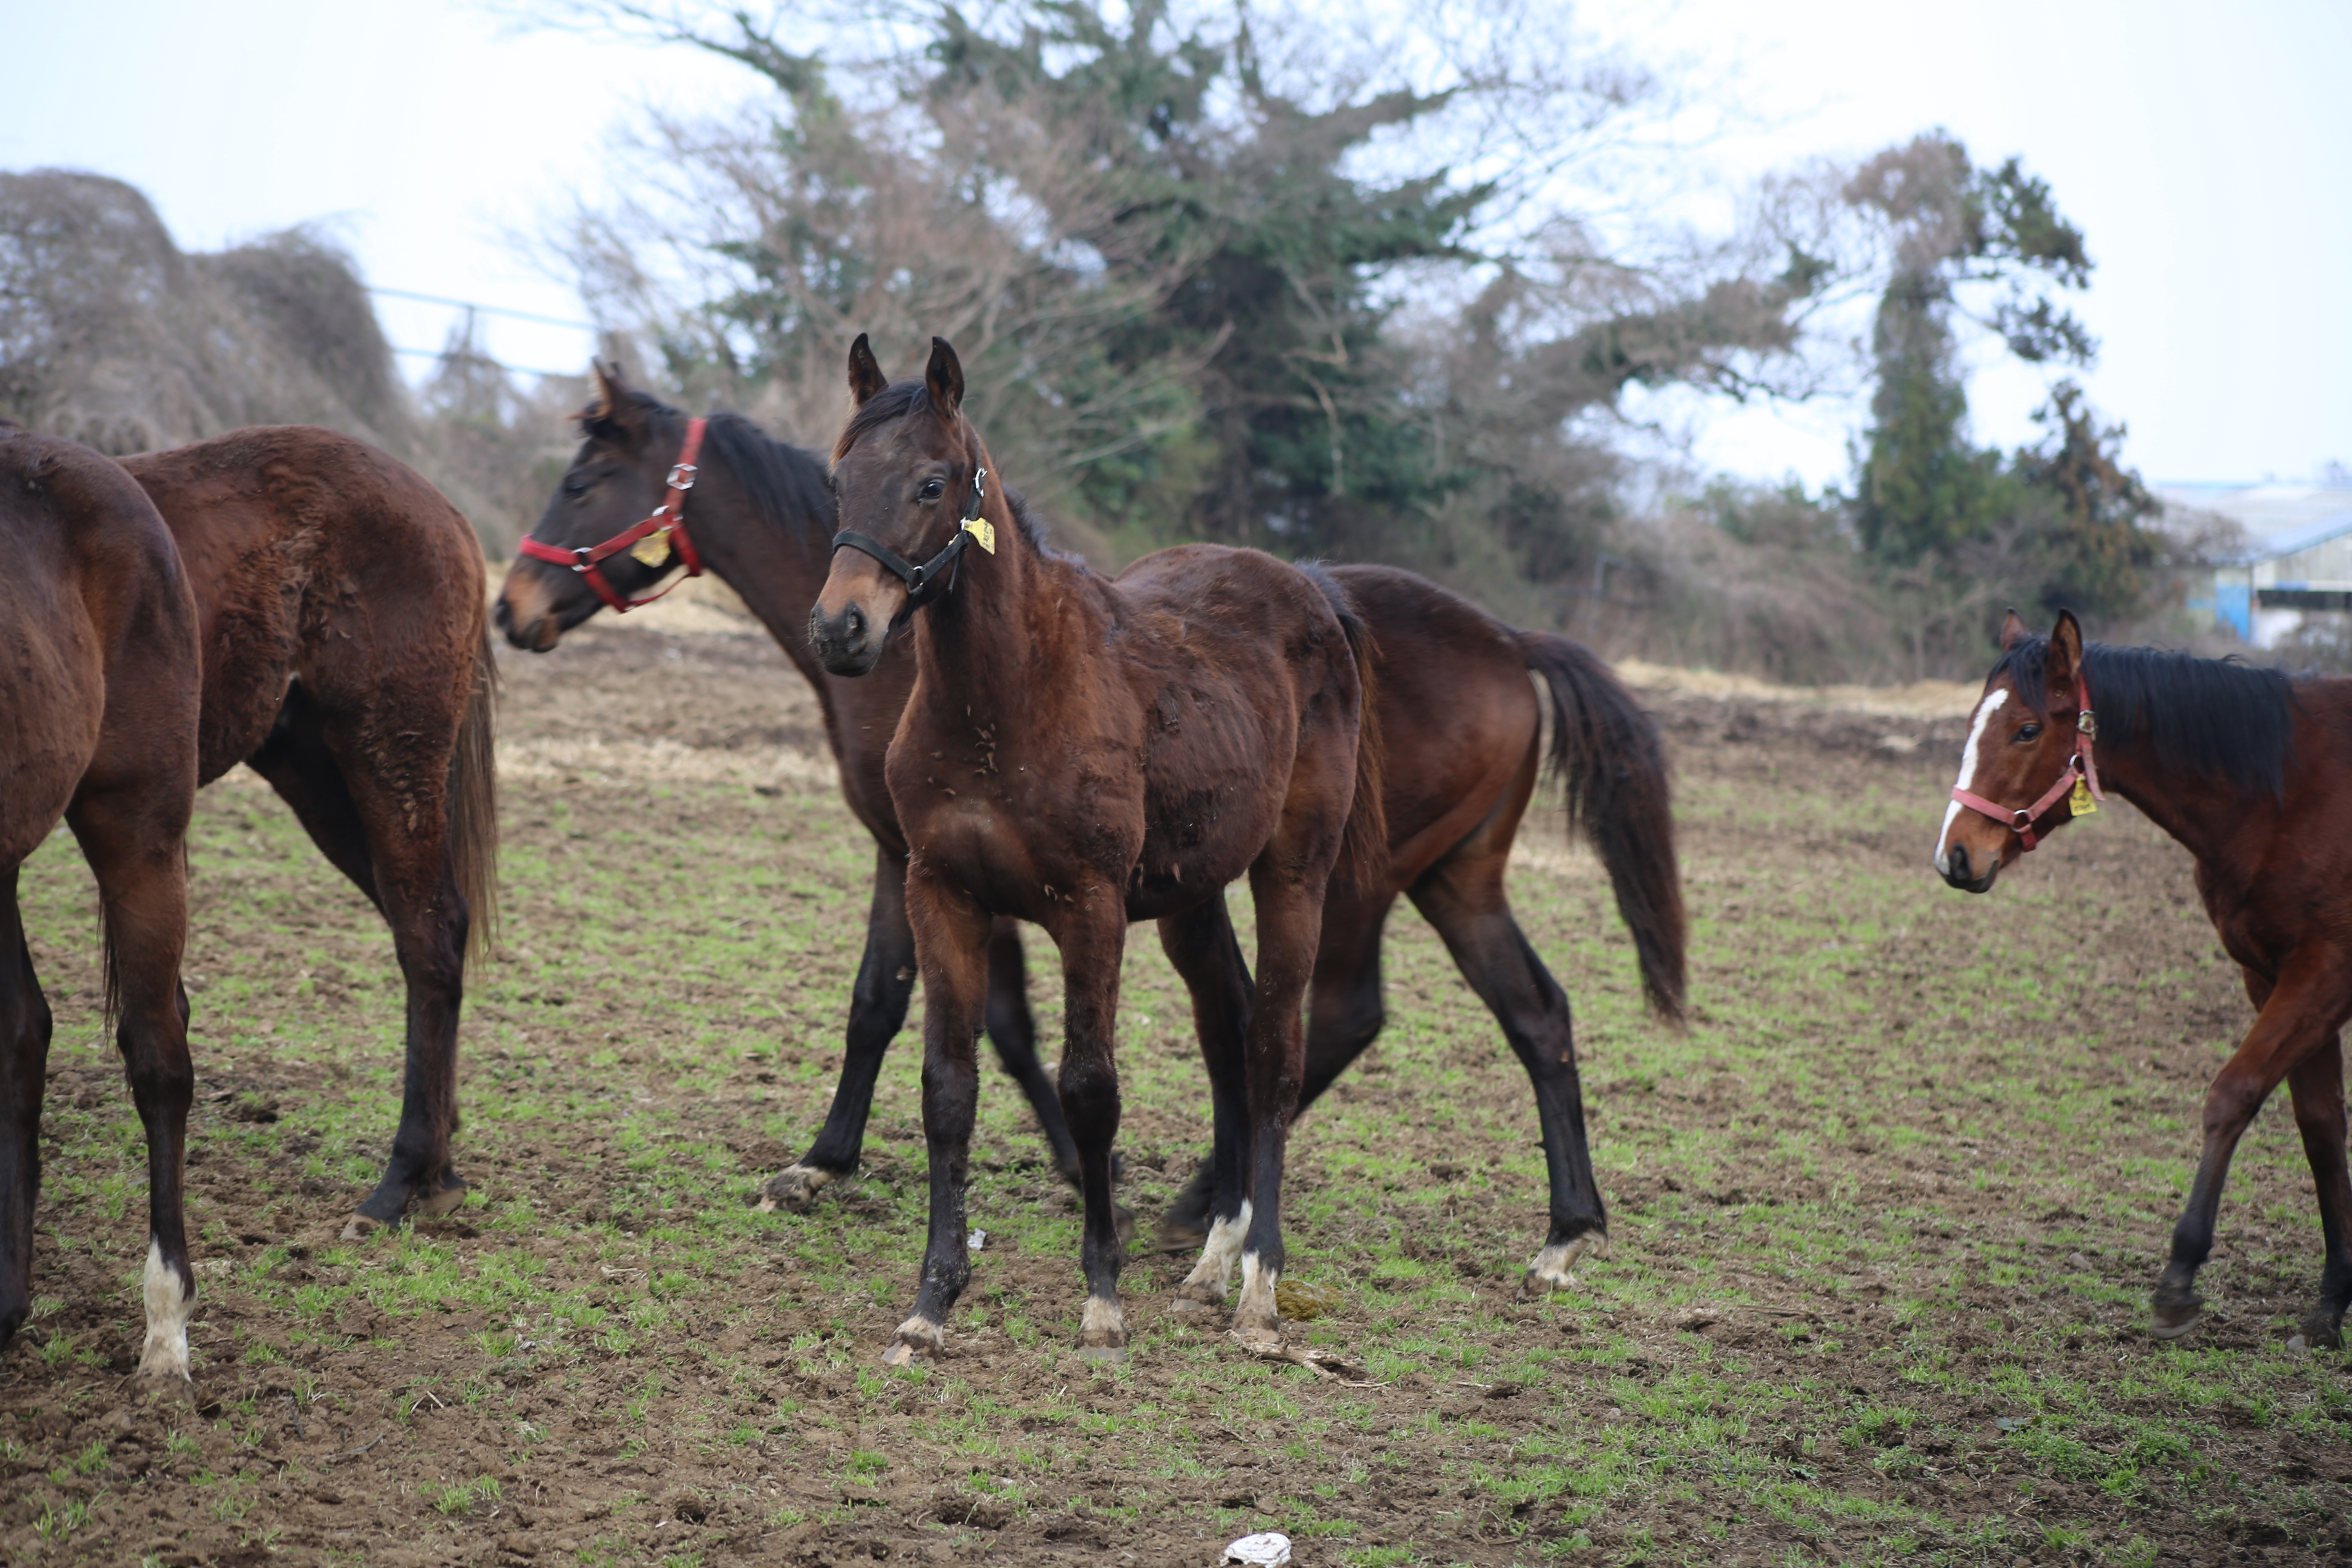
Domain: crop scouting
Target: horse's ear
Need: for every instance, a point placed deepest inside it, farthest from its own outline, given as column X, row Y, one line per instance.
column 612, row 412
column 2065, row 656
column 2013, row 631
column 943, row 378
column 866, row 377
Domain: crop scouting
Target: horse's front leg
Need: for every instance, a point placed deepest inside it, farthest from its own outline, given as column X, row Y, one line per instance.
column 878, row 1009
column 2305, row 1010
column 1093, row 938
column 951, row 951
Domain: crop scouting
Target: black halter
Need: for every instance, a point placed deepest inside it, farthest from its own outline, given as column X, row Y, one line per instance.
column 923, row 582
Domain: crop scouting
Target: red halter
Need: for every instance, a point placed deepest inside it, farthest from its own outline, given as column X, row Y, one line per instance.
column 2078, row 766
column 668, row 518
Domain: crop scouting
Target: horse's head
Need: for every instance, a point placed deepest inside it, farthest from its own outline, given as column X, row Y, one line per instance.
column 2019, row 757
column 617, row 479
column 904, row 476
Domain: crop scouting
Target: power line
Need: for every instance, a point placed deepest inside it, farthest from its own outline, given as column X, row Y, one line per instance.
column 485, row 358
column 487, row 310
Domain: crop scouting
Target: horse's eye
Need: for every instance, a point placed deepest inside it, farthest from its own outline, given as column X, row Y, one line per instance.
column 2027, row 731
column 576, row 484
column 932, row 489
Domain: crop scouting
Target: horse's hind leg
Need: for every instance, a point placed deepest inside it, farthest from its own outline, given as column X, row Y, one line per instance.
column 2317, row 1085
column 1463, row 898
column 399, row 853
column 878, row 1010
column 23, row 1077
column 1344, row 1016
column 1200, row 947
column 1289, row 904
column 1013, row 1030
column 136, row 847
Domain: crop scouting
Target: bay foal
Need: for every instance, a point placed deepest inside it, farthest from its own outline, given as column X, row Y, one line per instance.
column 2251, row 773
column 346, row 660
column 1083, row 752
column 99, row 699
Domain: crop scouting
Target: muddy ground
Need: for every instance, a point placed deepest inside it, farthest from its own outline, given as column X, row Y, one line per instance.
column 1884, row 1218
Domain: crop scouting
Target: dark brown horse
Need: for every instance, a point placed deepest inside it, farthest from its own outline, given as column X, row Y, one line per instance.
column 1454, row 678
column 2252, row 773
column 346, row 659
column 1083, row 753
column 99, row 697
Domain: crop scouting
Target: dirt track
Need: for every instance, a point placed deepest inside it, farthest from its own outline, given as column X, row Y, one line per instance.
column 1884, row 1220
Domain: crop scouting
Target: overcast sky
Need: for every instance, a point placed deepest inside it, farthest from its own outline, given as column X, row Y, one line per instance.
column 2206, row 152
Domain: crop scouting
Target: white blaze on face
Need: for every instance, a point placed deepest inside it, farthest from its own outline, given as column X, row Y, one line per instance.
column 1985, row 710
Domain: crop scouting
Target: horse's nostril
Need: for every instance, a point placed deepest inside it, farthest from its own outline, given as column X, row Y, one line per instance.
column 854, row 624
column 1956, row 864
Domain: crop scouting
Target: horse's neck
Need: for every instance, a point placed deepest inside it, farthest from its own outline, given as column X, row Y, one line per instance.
column 776, row 568
column 994, row 634
column 2183, row 807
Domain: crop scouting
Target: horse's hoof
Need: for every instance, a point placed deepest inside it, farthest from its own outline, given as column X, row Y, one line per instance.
column 1192, row 1297
column 2322, row 1328
column 2175, row 1310
column 359, row 1227
column 918, row 1337
column 449, row 1199
column 1554, row 1268
column 1257, row 1329
column 793, row 1189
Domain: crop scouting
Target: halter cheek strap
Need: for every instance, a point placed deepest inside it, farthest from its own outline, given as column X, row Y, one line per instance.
column 937, row 575
column 669, row 517
column 2080, row 766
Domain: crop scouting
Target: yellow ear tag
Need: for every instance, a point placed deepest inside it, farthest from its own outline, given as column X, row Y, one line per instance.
column 983, row 530
column 653, row 549
column 2080, row 803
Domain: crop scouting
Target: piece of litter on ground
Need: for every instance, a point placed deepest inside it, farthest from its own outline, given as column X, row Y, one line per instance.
column 976, row 1240
column 1269, row 1549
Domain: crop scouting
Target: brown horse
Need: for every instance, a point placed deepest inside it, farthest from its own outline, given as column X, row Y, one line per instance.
column 346, row 659
column 2252, row 773
column 762, row 520
column 1083, row 753
column 99, row 698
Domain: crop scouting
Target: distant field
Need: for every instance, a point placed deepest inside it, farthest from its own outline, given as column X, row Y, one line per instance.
column 1883, row 1219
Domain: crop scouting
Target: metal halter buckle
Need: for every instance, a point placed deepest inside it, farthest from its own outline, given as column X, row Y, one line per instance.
column 681, row 476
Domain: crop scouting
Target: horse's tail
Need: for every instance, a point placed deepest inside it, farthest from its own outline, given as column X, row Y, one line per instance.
column 474, row 803
column 1364, row 846
column 1611, row 766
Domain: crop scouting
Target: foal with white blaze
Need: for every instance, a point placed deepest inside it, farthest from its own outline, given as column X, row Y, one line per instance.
column 2251, row 773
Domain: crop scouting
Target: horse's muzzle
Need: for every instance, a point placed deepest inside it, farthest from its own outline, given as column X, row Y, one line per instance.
column 1961, row 873
column 846, row 642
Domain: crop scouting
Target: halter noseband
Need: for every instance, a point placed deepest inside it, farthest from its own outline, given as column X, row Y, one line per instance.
column 2081, row 773
column 924, row 582
column 667, row 525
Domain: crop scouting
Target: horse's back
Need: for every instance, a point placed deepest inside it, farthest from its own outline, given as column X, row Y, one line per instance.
column 96, row 635
column 1453, row 682
column 316, row 555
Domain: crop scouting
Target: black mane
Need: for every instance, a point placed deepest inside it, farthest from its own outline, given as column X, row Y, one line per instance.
column 2216, row 717
column 786, row 484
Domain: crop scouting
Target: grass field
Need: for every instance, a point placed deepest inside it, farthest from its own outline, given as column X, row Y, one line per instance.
column 1884, row 1218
